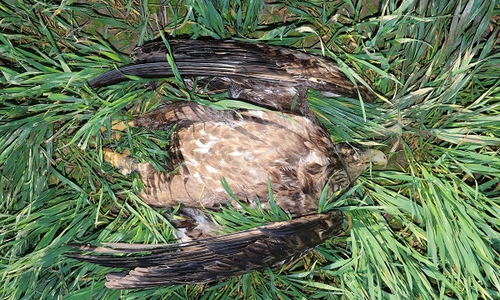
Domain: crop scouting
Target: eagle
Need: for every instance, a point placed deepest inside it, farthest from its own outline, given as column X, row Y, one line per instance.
column 276, row 152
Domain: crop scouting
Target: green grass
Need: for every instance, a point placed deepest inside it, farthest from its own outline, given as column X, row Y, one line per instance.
column 427, row 227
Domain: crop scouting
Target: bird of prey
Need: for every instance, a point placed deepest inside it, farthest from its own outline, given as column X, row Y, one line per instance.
column 281, row 151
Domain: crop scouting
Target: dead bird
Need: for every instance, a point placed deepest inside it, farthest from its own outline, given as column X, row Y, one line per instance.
column 282, row 146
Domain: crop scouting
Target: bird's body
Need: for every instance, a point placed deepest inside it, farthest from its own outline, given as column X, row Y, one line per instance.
column 281, row 151
column 251, row 150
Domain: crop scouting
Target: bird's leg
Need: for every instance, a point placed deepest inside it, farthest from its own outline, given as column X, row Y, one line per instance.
column 126, row 164
column 123, row 162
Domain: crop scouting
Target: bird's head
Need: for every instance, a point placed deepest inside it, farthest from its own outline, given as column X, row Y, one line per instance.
column 357, row 159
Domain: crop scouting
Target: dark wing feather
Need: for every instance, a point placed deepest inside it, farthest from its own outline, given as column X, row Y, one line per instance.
column 262, row 63
column 218, row 257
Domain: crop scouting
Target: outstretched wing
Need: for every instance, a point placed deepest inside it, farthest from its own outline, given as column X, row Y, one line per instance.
column 237, row 67
column 214, row 258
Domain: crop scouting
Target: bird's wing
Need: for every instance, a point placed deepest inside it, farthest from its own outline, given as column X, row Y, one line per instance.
column 257, row 63
column 214, row 258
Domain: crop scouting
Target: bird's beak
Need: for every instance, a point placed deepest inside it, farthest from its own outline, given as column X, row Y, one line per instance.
column 376, row 157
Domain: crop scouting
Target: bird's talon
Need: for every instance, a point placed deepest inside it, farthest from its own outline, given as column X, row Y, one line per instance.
column 122, row 162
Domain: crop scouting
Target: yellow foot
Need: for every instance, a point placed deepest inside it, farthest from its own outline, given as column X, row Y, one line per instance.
column 122, row 162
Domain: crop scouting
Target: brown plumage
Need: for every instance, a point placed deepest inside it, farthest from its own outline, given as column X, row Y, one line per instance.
column 214, row 258
column 284, row 147
column 248, row 149
column 266, row 75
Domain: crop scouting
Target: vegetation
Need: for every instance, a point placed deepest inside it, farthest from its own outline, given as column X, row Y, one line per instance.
column 427, row 227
